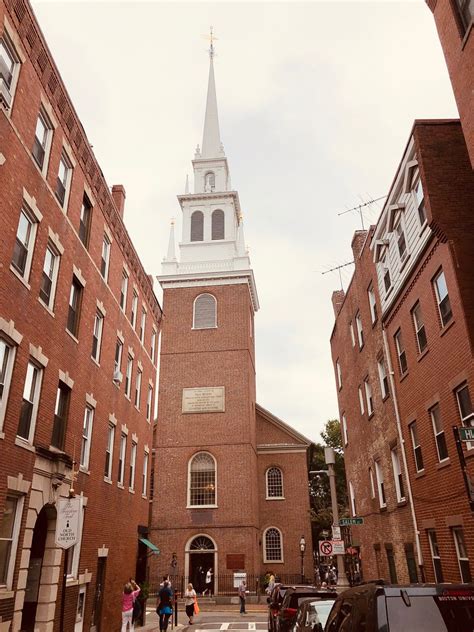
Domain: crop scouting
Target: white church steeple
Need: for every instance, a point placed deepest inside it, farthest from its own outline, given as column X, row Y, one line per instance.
column 211, row 138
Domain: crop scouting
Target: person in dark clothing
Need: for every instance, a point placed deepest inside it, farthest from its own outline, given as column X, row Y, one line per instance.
column 165, row 605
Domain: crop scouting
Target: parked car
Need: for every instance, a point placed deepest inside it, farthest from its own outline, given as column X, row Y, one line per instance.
column 274, row 602
column 375, row 607
column 313, row 613
column 294, row 595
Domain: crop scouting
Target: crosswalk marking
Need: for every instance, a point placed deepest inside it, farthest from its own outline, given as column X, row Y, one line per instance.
column 252, row 626
column 225, row 626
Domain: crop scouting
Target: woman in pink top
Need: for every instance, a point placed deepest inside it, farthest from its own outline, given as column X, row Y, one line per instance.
column 130, row 593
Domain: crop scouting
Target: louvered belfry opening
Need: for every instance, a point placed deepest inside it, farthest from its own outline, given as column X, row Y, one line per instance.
column 218, row 224
column 197, row 226
column 205, row 312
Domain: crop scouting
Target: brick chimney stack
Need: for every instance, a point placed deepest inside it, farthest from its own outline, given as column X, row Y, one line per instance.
column 357, row 242
column 337, row 301
column 119, row 195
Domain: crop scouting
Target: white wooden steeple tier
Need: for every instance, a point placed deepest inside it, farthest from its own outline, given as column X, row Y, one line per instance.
column 212, row 248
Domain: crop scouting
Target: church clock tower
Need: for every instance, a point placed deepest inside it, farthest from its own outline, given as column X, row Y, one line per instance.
column 206, row 504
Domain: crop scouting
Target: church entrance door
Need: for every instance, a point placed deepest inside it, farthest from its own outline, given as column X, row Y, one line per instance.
column 201, row 556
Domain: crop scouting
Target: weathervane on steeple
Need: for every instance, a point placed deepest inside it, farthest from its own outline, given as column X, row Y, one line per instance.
column 211, row 39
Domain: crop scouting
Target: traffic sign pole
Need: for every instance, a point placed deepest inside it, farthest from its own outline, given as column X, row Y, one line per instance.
column 462, row 463
column 63, row 596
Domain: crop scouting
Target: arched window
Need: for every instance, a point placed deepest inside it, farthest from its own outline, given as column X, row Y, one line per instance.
column 218, row 224
column 202, row 543
column 205, row 312
column 273, row 551
column 209, row 181
column 202, row 480
column 274, row 483
column 197, row 226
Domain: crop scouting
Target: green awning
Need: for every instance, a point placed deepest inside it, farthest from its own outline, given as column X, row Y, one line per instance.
column 155, row 550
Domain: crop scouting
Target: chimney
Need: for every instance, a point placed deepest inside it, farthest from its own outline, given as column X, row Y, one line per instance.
column 337, row 300
column 119, row 195
column 357, row 242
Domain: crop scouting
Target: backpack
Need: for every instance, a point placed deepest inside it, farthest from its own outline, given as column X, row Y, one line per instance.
column 137, row 610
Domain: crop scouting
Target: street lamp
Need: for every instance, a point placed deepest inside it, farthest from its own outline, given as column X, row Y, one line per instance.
column 330, row 458
column 302, row 550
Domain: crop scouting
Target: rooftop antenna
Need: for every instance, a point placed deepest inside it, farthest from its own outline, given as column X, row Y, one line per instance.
column 338, row 268
column 360, row 207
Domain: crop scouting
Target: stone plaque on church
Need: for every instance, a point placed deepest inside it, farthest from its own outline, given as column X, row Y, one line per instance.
column 207, row 399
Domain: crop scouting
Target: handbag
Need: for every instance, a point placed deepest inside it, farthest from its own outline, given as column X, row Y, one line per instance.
column 197, row 610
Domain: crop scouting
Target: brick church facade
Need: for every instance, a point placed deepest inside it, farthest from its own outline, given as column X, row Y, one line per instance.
column 231, row 479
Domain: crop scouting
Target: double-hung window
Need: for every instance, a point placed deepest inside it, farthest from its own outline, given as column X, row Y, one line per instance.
column 416, row 447
column 9, row 528
column 435, row 556
column 440, row 438
column 465, row 405
column 9, row 66
column 149, row 402
column 442, row 298
column 128, row 376
column 138, row 387
column 420, row 201
column 353, row 500
column 380, row 484
column 74, row 310
column 133, row 463
column 109, row 452
column 360, row 332
column 97, row 335
column 143, row 325
column 383, row 378
column 372, row 303
column 29, row 404
column 49, row 276
column 105, row 259
column 351, row 329
column 61, row 412
column 466, row 12
column 86, row 437
column 338, row 374
column 387, row 281
column 123, row 291
column 24, row 244
column 153, row 345
column 371, row 481
column 368, row 396
column 118, row 361
column 401, row 354
column 345, row 436
column 85, row 221
column 133, row 315
column 397, row 475
column 361, row 401
column 122, row 457
column 7, row 355
column 63, row 180
column 145, row 473
column 419, row 325
column 401, row 240
column 461, row 553
column 42, row 141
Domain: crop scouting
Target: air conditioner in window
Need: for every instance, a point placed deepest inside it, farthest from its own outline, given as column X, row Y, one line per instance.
column 118, row 377
column 5, row 96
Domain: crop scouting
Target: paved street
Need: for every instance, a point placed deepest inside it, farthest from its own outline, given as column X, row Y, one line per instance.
column 216, row 621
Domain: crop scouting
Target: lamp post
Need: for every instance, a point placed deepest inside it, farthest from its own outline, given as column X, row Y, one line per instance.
column 302, row 550
column 330, row 458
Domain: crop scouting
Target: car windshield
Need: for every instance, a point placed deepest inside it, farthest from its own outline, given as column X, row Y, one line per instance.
column 319, row 612
column 441, row 613
column 296, row 598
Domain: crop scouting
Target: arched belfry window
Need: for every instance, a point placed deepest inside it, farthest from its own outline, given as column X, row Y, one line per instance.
column 273, row 550
column 197, row 226
column 274, row 483
column 202, row 480
column 209, row 182
column 218, row 224
column 205, row 312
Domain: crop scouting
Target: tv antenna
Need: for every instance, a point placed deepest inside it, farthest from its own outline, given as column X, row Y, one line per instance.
column 359, row 208
column 338, row 268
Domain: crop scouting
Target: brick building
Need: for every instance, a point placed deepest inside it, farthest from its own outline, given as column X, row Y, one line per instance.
column 79, row 325
column 421, row 266
column 235, row 476
column 371, row 438
column 454, row 21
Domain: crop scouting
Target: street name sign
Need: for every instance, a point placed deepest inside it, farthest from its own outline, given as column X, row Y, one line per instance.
column 346, row 522
column 68, row 522
column 466, row 434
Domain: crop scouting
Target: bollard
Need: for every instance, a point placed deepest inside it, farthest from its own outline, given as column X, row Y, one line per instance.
column 176, row 608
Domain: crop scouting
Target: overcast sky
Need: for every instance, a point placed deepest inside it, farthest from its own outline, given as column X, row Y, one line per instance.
column 316, row 102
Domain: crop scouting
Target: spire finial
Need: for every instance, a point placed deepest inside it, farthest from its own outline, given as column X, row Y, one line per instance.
column 212, row 37
column 211, row 140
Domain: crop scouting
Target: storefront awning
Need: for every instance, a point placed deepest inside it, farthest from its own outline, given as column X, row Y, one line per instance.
column 154, row 549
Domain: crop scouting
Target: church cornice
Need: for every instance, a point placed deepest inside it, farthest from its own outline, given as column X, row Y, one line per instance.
column 215, row 195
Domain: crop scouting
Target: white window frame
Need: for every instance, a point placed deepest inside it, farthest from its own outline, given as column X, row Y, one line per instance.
column 338, row 374
column 138, row 388
column 417, row 318
column 47, row 140
column 266, row 560
column 105, row 257
column 419, row 201
column 133, row 315
column 436, row 420
column 440, row 299
column 67, row 163
column 372, row 304
column 383, row 378
column 466, row 13
column 19, row 503
column 434, row 542
column 142, row 324
column 209, row 326
column 345, row 436
column 98, row 330
column 380, row 485
column 54, row 275
column 351, row 329
column 361, row 402
column 132, row 466
column 145, row 474
column 400, row 351
column 86, row 438
column 32, row 220
column 397, row 475
column 149, row 402
column 416, row 445
column 400, row 235
column 385, row 272
column 117, row 376
column 128, row 376
column 122, row 459
column 267, row 485
column 124, row 291
column 15, row 72
column 153, row 345
column 9, row 364
column 109, row 449
column 353, row 500
column 34, row 402
column 372, row 485
column 369, row 398
column 76, row 291
column 360, row 330
column 460, row 558
column 86, row 206
column 188, row 505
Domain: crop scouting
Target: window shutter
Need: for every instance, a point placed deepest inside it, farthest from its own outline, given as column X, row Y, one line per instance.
column 205, row 308
column 218, row 221
column 197, row 226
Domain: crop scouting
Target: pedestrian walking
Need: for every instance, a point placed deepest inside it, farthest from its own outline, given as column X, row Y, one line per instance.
column 208, row 590
column 242, row 595
column 189, row 602
column 130, row 593
column 164, row 609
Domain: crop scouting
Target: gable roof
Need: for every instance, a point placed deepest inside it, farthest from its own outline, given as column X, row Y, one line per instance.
column 295, row 438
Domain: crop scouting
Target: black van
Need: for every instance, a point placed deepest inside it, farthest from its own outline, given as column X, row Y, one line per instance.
column 375, row 607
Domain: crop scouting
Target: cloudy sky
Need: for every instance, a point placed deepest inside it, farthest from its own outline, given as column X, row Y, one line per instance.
column 316, row 102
